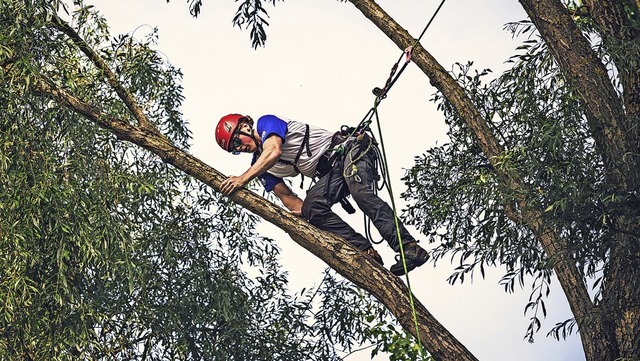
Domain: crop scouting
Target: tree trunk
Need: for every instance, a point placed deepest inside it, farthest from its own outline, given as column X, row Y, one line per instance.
column 621, row 40
column 615, row 130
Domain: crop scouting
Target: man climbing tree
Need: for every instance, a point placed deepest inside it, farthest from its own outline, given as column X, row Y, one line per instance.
column 345, row 164
column 560, row 233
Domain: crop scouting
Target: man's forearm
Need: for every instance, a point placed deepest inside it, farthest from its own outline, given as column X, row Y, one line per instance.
column 266, row 160
column 293, row 203
column 289, row 199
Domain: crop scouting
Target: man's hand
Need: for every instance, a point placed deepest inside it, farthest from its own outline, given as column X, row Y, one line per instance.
column 271, row 151
column 231, row 185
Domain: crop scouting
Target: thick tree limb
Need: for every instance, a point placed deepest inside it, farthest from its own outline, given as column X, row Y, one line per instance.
column 111, row 77
column 335, row 251
column 619, row 32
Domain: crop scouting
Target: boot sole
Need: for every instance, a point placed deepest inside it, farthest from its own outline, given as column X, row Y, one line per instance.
column 398, row 269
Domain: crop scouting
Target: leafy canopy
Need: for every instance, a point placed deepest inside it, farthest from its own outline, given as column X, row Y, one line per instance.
column 457, row 198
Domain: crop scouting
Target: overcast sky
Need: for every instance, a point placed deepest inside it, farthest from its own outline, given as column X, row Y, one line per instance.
column 321, row 61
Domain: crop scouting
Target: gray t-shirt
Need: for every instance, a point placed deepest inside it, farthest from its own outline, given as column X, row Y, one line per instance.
column 292, row 132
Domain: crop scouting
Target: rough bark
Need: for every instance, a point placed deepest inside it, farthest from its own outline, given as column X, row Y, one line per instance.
column 621, row 38
column 621, row 295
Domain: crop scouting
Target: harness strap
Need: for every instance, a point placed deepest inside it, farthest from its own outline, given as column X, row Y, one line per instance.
column 305, row 142
column 303, row 145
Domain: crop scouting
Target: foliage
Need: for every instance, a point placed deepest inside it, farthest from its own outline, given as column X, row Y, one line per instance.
column 251, row 15
column 456, row 196
column 397, row 343
column 106, row 252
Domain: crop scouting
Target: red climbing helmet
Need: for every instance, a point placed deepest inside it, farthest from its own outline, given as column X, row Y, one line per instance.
column 227, row 127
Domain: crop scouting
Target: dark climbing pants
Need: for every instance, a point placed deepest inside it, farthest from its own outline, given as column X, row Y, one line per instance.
column 341, row 182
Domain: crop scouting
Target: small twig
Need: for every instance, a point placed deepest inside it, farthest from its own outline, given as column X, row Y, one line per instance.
column 111, row 77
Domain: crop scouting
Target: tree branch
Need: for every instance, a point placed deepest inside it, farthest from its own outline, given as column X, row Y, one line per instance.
column 111, row 77
column 621, row 37
column 335, row 251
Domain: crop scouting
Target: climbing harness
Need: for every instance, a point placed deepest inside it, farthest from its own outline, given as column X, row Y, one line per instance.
column 353, row 159
column 294, row 163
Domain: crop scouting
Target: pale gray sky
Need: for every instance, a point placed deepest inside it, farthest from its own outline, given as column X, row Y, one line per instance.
column 321, row 61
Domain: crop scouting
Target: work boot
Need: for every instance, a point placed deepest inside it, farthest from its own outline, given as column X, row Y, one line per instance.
column 373, row 254
column 414, row 256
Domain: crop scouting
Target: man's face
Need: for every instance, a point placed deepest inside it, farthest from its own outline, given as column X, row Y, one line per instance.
column 242, row 143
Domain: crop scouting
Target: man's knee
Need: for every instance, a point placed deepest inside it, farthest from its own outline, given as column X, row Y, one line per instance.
column 313, row 208
column 362, row 192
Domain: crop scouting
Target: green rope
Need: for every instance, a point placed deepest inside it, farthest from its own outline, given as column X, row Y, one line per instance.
column 395, row 217
column 364, row 124
column 374, row 112
column 352, row 163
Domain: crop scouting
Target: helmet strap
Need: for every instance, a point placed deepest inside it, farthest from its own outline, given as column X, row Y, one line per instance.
column 250, row 135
